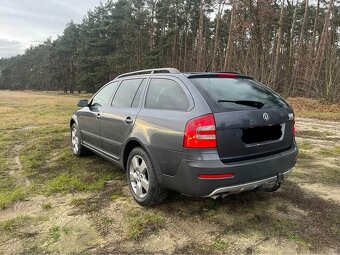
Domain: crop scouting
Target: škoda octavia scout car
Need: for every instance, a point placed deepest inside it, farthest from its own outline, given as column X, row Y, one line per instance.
column 200, row 134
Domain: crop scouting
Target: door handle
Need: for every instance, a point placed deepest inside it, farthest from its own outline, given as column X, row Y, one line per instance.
column 128, row 120
column 98, row 116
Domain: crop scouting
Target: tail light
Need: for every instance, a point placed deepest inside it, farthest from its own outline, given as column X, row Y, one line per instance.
column 200, row 132
column 292, row 118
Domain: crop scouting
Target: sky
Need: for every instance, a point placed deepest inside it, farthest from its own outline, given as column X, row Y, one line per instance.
column 29, row 22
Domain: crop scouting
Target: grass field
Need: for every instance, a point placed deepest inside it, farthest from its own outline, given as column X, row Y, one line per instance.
column 53, row 202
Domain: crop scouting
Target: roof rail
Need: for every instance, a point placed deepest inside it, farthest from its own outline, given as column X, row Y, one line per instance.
column 150, row 71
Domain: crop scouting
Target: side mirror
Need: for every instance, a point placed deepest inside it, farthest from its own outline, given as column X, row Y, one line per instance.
column 83, row 103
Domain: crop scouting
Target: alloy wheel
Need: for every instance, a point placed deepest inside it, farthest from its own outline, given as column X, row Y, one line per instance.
column 75, row 140
column 139, row 177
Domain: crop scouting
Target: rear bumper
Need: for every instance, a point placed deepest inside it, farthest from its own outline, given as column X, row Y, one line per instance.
column 246, row 186
column 248, row 174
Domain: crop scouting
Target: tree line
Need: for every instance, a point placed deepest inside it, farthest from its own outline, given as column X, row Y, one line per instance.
column 291, row 45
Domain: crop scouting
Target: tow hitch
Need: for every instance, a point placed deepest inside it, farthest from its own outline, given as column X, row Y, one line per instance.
column 276, row 185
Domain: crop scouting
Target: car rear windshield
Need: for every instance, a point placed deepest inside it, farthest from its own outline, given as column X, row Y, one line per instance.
column 239, row 91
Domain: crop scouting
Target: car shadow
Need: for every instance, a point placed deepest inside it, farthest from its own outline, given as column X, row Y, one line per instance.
column 290, row 212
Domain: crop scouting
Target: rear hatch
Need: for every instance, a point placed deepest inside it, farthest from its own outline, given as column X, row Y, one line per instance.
column 251, row 120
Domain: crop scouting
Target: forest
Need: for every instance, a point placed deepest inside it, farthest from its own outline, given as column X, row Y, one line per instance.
column 293, row 46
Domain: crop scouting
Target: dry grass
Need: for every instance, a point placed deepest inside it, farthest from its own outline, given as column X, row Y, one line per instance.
column 53, row 202
column 312, row 108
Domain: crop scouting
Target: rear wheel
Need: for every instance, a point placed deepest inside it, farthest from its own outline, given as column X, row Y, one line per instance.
column 142, row 181
column 77, row 148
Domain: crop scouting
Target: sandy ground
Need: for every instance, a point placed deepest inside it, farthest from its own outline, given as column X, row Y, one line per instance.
column 327, row 136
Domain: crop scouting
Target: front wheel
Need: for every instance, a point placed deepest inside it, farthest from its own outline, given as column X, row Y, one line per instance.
column 142, row 181
column 77, row 148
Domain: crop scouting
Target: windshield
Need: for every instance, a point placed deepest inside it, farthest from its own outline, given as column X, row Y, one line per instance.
column 225, row 94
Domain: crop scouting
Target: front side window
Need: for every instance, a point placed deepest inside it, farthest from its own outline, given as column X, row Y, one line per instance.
column 103, row 97
column 166, row 94
column 126, row 93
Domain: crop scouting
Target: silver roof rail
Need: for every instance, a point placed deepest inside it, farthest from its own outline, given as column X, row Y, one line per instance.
column 150, row 71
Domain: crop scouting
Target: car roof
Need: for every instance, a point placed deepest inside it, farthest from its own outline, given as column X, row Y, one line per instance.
column 164, row 71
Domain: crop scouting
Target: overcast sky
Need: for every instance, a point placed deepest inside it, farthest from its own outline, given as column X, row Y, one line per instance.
column 30, row 22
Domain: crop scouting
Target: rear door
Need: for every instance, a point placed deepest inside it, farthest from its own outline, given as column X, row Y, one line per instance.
column 251, row 121
column 118, row 119
column 89, row 119
column 163, row 117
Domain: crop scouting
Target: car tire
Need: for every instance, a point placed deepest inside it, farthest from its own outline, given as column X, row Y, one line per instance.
column 142, row 180
column 77, row 148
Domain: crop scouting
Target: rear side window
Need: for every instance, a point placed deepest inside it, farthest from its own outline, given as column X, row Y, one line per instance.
column 126, row 93
column 104, row 95
column 166, row 94
column 216, row 90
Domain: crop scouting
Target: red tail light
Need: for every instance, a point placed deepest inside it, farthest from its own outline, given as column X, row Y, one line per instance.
column 294, row 129
column 200, row 132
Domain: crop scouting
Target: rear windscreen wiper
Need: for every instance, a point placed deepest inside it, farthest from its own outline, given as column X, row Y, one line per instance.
column 256, row 104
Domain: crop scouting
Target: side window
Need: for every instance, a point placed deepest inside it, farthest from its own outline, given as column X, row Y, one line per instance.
column 166, row 94
column 126, row 93
column 104, row 95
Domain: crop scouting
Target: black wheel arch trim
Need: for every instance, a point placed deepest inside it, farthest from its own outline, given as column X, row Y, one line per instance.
column 74, row 120
column 143, row 143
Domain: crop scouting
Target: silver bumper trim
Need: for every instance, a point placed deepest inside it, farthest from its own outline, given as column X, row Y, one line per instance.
column 246, row 186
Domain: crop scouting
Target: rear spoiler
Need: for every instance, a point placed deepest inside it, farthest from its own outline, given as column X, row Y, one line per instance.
column 218, row 75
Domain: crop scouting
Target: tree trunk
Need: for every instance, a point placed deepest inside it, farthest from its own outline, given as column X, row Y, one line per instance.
column 300, row 48
column 216, row 36
column 312, row 47
column 199, row 66
column 321, row 49
column 230, row 43
column 278, row 48
column 175, row 43
column 185, row 49
column 257, row 38
column 331, row 91
column 313, row 43
column 152, row 5
column 292, row 31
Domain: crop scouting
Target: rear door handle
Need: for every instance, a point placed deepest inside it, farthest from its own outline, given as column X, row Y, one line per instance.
column 128, row 120
column 98, row 116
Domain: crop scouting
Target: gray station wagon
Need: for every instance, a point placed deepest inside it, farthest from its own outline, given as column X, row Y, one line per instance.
column 205, row 134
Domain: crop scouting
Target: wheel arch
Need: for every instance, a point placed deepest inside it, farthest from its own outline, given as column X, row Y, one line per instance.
column 73, row 120
column 133, row 143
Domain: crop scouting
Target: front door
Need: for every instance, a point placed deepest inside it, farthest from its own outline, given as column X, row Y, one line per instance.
column 90, row 119
column 118, row 119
